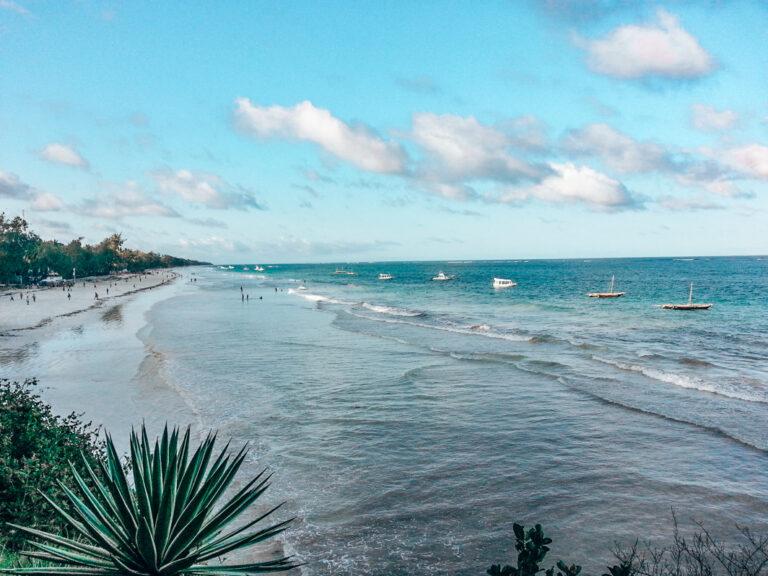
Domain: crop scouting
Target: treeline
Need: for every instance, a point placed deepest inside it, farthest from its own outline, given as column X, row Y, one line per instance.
column 25, row 258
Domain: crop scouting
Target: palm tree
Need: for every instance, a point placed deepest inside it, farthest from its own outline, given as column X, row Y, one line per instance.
column 166, row 523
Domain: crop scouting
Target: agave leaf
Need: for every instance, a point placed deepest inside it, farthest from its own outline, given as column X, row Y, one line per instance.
column 247, row 540
column 107, row 519
column 206, row 548
column 68, row 557
column 63, row 570
column 165, row 512
column 145, row 544
column 236, row 506
column 62, row 541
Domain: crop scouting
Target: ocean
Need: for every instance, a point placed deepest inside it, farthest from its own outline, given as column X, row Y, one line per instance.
column 409, row 423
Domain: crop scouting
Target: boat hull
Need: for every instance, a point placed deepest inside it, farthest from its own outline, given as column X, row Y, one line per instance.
column 606, row 294
column 686, row 306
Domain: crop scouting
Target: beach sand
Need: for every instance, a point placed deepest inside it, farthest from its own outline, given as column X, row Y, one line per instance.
column 45, row 304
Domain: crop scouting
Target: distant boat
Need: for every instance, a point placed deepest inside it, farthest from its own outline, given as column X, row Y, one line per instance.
column 258, row 268
column 503, row 283
column 342, row 272
column 246, row 268
column 384, row 276
column 442, row 277
column 689, row 306
column 609, row 294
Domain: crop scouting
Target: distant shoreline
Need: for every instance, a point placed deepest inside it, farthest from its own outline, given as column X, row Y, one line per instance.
column 50, row 303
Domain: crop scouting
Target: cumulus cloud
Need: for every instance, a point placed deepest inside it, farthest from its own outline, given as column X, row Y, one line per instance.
column 63, row 154
column 11, row 186
column 46, row 202
column 661, row 49
column 123, row 201
column 573, row 184
column 356, row 144
column 618, row 150
column 205, row 189
column 461, row 148
column 750, row 160
column 709, row 119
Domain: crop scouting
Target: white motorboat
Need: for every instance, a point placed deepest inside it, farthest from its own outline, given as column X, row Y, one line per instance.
column 503, row 283
column 258, row 268
column 442, row 277
column 384, row 276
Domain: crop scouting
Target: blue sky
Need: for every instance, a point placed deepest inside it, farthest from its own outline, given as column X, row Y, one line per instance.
column 346, row 131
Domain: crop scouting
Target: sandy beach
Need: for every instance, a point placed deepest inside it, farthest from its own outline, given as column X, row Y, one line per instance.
column 24, row 309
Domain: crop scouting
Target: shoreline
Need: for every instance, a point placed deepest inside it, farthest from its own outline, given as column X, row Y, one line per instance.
column 18, row 314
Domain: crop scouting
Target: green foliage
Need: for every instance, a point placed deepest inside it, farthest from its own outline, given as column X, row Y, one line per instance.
column 168, row 522
column 532, row 547
column 36, row 447
column 24, row 257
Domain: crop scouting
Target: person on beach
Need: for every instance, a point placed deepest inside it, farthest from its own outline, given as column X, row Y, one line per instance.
column 95, row 295
column 27, row 299
column 242, row 297
column 248, row 297
column 34, row 298
column 69, row 296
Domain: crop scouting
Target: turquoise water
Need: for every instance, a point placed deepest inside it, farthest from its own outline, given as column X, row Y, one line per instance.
column 411, row 422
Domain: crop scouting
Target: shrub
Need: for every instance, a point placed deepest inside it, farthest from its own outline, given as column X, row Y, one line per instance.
column 36, row 447
column 168, row 522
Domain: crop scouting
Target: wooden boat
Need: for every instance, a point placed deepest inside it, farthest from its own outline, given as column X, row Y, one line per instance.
column 609, row 294
column 689, row 306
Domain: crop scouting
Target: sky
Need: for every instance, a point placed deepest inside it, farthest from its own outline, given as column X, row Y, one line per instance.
column 343, row 131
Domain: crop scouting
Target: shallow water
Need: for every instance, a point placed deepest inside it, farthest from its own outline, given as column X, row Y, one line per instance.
column 409, row 423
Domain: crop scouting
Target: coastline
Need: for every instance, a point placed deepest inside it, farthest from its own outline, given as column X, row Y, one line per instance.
column 20, row 311
column 89, row 356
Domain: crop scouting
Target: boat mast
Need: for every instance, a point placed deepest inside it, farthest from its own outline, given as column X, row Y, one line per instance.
column 690, row 295
column 612, row 280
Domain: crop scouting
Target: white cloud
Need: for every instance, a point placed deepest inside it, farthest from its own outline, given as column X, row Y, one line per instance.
column 13, row 7
column 63, row 154
column 707, row 118
column 46, row 202
column 662, row 49
column 575, row 184
column 206, row 189
column 216, row 242
column 686, row 204
column 619, row 151
column 357, row 145
column 751, row 160
column 11, row 186
column 122, row 201
column 461, row 148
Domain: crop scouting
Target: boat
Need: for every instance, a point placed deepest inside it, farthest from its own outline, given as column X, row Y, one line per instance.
column 342, row 272
column 503, row 283
column 442, row 277
column 384, row 276
column 610, row 294
column 258, row 268
column 689, row 306
column 246, row 268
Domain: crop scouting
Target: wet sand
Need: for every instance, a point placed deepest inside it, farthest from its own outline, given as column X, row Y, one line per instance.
column 45, row 304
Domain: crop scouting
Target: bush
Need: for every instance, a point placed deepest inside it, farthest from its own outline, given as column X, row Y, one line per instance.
column 36, row 447
column 170, row 522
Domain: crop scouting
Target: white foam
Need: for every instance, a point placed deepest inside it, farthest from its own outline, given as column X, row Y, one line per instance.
column 684, row 381
column 472, row 330
column 391, row 310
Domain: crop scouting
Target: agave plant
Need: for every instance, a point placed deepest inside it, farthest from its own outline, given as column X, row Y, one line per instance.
column 166, row 523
